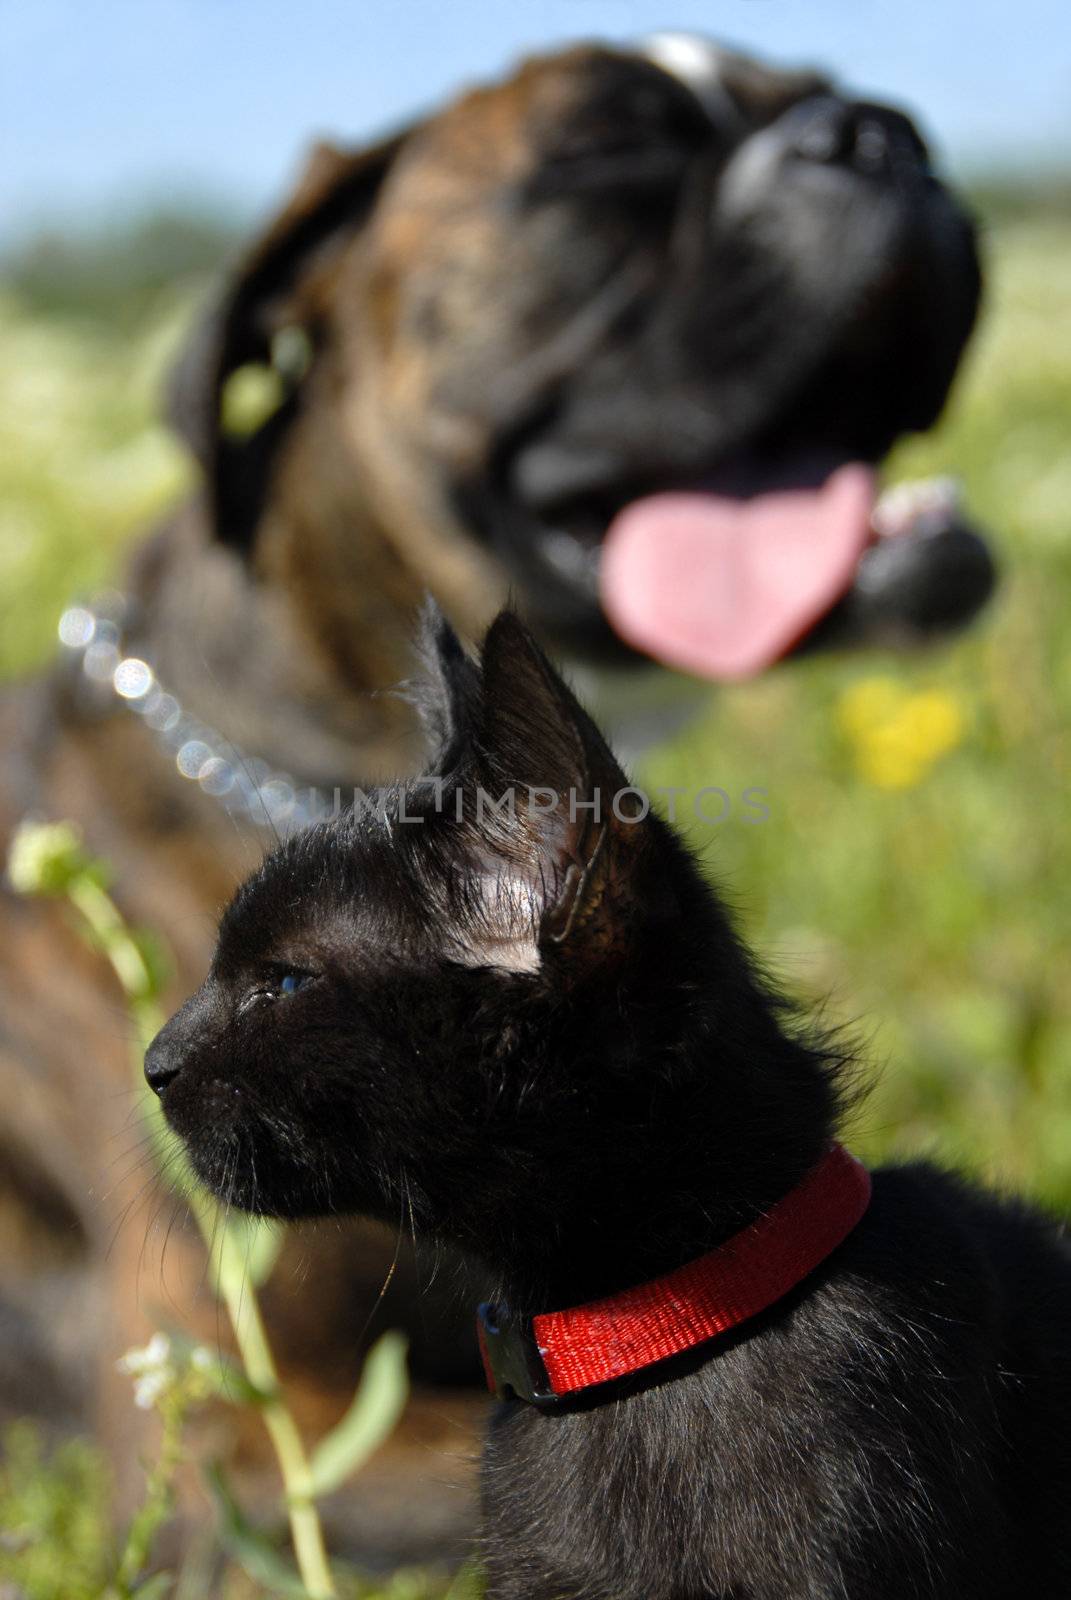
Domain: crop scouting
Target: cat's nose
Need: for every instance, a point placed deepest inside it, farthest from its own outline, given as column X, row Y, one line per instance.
column 163, row 1062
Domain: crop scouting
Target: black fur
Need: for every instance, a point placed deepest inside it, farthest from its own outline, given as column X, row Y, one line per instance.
column 536, row 1037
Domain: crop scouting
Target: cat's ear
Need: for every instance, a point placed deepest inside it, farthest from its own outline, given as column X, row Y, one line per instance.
column 566, row 814
column 446, row 695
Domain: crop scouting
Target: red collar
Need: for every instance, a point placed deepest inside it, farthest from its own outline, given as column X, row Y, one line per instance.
column 565, row 1351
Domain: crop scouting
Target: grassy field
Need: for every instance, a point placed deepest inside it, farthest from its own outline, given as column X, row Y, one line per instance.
column 914, row 874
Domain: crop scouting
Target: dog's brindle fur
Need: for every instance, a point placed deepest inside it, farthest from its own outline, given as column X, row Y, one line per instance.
column 544, row 1038
column 428, row 274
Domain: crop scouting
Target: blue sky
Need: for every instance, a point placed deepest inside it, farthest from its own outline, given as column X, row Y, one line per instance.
column 110, row 102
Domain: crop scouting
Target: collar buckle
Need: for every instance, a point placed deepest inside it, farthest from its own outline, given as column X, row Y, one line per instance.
column 514, row 1366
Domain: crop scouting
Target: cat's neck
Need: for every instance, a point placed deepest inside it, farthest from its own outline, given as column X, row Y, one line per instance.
column 663, row 1196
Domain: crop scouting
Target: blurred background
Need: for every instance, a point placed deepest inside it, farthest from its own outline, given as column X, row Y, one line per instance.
column 914, row 874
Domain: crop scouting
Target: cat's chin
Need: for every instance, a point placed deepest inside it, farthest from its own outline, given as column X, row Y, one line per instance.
column 247, row 1175
column 270, row 1195
column 240, row 1161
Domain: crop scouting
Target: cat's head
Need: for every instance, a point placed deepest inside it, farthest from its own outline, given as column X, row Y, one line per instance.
column 502, row 987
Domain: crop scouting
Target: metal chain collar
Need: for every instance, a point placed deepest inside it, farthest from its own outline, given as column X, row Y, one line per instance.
column 245, row 786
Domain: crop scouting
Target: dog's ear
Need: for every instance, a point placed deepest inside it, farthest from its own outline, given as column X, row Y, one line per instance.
column 262, row 327
column 447, row 694
column 575, row 828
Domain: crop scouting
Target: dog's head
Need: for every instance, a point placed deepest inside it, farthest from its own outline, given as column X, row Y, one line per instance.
column 622, row 335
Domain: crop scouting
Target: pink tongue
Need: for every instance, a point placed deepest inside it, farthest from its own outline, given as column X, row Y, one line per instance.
column 724, row 587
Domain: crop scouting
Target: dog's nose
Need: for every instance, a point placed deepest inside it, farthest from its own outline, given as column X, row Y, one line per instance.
column 873, row 139
column 162, row 1063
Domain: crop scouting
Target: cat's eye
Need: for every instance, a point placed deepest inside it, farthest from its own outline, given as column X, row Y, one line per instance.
column 291, row 982
column 283, row 981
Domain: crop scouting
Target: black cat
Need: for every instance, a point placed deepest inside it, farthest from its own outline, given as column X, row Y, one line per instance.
column 527, row 1028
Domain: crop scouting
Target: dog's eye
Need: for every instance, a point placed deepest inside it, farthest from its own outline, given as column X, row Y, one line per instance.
column 604, row 166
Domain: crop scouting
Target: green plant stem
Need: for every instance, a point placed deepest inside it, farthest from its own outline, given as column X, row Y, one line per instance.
column 158, row 1501
column 251, row 1336
column 109, row 931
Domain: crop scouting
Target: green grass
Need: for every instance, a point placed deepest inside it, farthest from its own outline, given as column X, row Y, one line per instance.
column 83, row 462
column 56, row 1540
column 932, row 917
column 53, row 1519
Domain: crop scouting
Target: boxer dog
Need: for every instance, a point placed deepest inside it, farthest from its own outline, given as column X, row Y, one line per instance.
column 623, row 336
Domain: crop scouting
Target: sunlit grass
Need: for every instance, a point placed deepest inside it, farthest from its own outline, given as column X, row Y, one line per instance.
column 84, row 462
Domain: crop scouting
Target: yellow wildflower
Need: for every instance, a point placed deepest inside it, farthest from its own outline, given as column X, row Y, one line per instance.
column 897, row 734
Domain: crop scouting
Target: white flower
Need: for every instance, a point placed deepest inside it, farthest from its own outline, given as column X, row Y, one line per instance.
column 154, row 1357
column 149, row 1388
column 153, row 1370
column 159, row 1369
